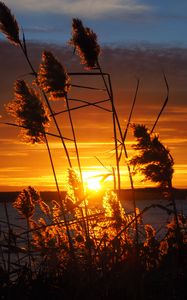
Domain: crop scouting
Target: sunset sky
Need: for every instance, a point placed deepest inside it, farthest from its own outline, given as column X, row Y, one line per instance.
column 139, row 39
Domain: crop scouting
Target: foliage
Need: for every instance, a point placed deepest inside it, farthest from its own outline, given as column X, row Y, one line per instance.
column 112, row 243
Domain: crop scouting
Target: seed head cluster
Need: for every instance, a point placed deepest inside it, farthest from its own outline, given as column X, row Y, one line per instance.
column 85, row 42
column 8, row 24
column 30, row 112
column 25, row 202
column 52, row 76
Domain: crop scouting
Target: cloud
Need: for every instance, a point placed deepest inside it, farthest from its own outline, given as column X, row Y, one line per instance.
column 88, row 8
column 13, row 154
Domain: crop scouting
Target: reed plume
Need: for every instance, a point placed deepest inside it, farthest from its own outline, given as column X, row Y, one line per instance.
column 153, row 159
column 52, row 76
column 155, row 162
column 30, row 112
column 25, row 202
column 8, row 24
column 113, row 208
column 84, row 40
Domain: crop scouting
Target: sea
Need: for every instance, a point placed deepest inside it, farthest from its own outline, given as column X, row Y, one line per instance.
column 156, row 211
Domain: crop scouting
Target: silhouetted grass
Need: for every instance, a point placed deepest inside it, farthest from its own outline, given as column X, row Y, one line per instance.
column 70, row 249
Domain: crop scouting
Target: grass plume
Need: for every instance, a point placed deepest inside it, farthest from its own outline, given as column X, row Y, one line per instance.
column 29, row 111
column 84, row 40
column 8, row 24
column 52, row 76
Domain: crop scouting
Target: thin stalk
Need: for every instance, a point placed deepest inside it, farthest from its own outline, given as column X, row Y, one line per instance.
column 128, row 167
column 114, row 178
column 75, row 221
column 28, row 243
column 87, row 87
column 85, row 74
column 26, row 127
column 60, row 200
column 178, row 233
column 74, row 137
column 110, row 94
column 82, row 106
column 9, row 239
column 130, row 115
column 79, row 164
column 164, row 104
column 134, row 201
column 126, row 156
column 3, row 258
column 48, row 104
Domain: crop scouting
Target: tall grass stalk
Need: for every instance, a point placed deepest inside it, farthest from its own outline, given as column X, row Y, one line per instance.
column 24, row 50
column 95, row 103
column 25, row 53
column 60, row 200
column 86, row 224
column 29, row 243
column 74, row 137
column 9, row 239
column 170, row 187
column 164, row 104
column 130, row 114
column 128, row 166
column 175, row 212
column 44, row 132
column 110, row 94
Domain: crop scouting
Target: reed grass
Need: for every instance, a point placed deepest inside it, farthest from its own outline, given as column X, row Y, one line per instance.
column 71, row 250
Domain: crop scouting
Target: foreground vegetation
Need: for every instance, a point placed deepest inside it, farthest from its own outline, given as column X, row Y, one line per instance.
column 104, row 260
column 67, row 248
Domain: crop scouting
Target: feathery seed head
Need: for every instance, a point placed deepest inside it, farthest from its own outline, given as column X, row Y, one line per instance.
column 25, row 203
column 74, row 185
column 85, row 42
column 153, row 160
column 113, row 208
column 29, row 111
column 52, row 76
column 8, row 24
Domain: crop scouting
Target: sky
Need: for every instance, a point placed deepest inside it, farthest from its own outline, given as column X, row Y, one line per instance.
column 139, row 39
column 115, row 21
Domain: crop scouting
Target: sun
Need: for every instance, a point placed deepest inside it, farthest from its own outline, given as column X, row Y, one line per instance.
column 93, row 184
column 92, row 181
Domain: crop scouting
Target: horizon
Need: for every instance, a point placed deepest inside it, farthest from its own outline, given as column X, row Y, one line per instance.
column 143, row 57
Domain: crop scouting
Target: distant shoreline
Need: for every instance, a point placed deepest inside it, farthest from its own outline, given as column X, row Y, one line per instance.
column 125, row 194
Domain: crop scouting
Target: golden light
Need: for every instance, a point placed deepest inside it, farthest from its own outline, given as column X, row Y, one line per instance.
column 93, row 184
column 93, row 180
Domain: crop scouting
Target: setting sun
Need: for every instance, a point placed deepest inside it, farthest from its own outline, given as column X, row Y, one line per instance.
column 94, row 181
column 93, row 184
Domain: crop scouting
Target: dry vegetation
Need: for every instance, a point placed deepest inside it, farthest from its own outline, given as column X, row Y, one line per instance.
column 67, row 249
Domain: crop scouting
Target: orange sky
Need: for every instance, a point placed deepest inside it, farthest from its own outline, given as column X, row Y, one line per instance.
column 23, row 165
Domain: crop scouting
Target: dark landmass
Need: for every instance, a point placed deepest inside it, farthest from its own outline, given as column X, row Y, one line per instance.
column 151, row 194
column 125, row 194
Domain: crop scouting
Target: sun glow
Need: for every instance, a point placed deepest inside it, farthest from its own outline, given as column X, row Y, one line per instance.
column 93, row 184
column 93, row 180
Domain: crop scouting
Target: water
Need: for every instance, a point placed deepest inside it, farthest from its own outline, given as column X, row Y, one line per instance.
column 155, row 216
